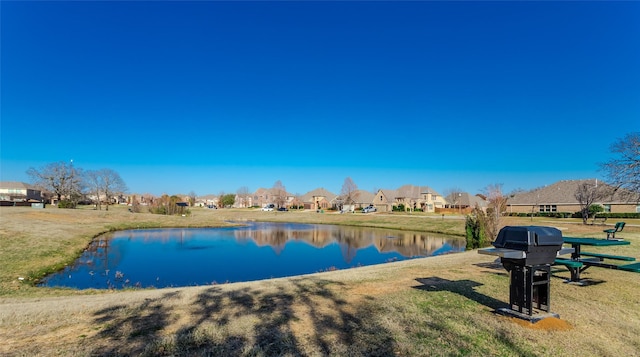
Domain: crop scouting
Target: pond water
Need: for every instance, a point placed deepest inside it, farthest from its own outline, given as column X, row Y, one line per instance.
column 186, row 257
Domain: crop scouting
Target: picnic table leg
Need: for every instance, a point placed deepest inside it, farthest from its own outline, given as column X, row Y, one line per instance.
column 576, row 252
column 575, row 274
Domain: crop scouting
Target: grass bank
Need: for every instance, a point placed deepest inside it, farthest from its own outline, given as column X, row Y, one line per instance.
column 434, row 306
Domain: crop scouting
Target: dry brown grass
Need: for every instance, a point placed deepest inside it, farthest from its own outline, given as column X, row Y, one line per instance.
column 434, row 306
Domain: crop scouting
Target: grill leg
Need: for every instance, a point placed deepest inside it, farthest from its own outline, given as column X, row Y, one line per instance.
column 541, row 280
column 529, row 288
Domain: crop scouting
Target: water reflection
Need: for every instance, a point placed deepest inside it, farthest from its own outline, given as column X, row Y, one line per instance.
column 183, row 257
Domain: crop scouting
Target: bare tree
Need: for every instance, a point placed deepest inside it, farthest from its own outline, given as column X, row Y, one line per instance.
column 454, row 194
column 536, row 205
column 497, row 205
column 623, row 171
column 279, row 193
column 94, row 183
column 349, row 193
column 59, row 178
column 112, row 184
column 588, row 193
column 244, row 194
column 192, row 198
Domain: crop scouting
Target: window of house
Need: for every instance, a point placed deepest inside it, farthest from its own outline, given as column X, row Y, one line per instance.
column 638, row 209
column 607, row 208
column 541, row 208
column 547, row 208
column 554, row 208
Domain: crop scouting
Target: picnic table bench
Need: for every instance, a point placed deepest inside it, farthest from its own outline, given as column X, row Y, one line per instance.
column 574, row 267
column 635, row 267
column 581, row 261
column 607, row 256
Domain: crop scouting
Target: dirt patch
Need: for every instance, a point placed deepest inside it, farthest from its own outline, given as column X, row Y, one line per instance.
column 548, row 324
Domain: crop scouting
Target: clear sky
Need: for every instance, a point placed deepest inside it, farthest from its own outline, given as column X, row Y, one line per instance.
column 211, row 96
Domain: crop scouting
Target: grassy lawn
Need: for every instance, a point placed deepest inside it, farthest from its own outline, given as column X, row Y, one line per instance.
column 434, row 306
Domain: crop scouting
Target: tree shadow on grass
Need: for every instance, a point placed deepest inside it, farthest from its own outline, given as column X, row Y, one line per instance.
column 464, row 288
column 303, row 317
column 129, row 328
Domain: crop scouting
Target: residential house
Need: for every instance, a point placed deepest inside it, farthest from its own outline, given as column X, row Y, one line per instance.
column 19, row 192
column 560, row 197
column 261, row 197
column 411, row 197
column 464, row 202
column 319, row 198
column 207, row 201
column 264, row 196
column 244, row 200
column 364, row 198
column 361, row 199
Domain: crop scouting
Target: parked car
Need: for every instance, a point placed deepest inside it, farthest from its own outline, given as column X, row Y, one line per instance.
column 269, row 207
column 283, row 209
column 369, row 209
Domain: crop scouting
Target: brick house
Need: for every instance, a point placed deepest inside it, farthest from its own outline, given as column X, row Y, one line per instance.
column 560, row 197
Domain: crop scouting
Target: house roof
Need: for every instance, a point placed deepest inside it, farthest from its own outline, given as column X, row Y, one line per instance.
column 308, row 197
column 476, row 200
column 365, row 196
column 262, row 191
column 389, row 195
column 562, row 192
column 465, row 199
column 411, row 191
column 361, row 196
column 16, row 185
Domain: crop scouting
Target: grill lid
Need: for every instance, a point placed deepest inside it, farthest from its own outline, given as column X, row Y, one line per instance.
column 523, row 237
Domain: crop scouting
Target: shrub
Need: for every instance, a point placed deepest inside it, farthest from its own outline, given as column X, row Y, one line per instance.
column 158, row 209
column 136, row 207
column 476, row 230
column 66, row 204
column 619, row 215
column 593, row 209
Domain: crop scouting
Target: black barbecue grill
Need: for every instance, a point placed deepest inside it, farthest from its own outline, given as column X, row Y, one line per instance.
column 539, row 244
column 527, row 252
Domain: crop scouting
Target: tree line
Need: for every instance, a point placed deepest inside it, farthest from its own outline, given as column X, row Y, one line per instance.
column 71, row 184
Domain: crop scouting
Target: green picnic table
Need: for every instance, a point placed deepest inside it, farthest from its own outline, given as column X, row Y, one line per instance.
column 580, row 261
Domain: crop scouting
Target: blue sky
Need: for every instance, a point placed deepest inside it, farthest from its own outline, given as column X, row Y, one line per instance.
column 211, row 96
